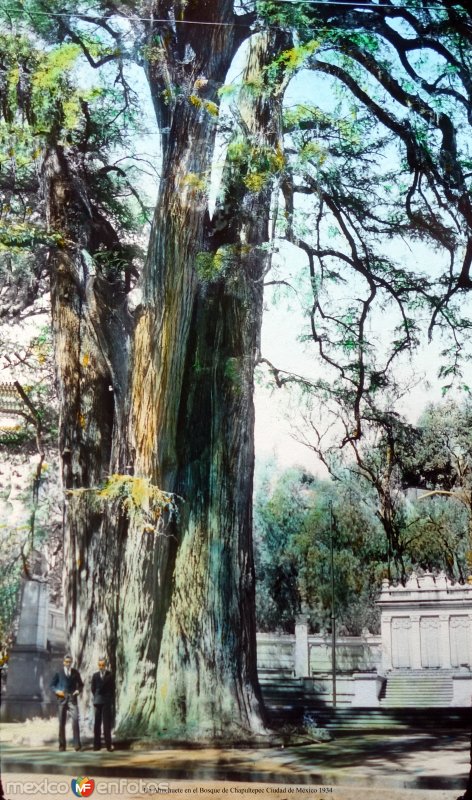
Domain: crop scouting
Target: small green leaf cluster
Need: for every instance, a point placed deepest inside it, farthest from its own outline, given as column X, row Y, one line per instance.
column 290, row 61
column 232, row 372
column 255, row 164
column 211, row 266
column 23, row 236
column 143, row 503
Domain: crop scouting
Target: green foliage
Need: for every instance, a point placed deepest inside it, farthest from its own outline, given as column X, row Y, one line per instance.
column 137, row 497
column 438, row 536
column 254, row 164
column 421, row 475
column 290, row 16
column 15, row 238
column 38, row 89
column 42, row 106
column 232, row 372
column 291, row 60
column 293, row 529
column 441, row 457
column 211, row 266
column 15, row 436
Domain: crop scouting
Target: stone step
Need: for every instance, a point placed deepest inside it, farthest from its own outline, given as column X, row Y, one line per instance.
column 422, row 702
column 407, row 687
column 394, row 717
column 377, row 719
column 418, row 682
column 418, row 689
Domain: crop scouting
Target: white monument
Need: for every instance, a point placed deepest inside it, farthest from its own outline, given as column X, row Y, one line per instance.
column 427, row 625
column 27, row 691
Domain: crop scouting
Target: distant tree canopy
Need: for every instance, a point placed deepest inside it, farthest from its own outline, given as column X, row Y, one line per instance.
column 377, row 192
column 400, row 501
column 155, row 388
column 298, row 517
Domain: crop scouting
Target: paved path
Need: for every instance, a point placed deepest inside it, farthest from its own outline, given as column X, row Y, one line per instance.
column 406, row 767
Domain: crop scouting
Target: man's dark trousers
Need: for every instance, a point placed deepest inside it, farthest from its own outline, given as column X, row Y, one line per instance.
column 103, row 715
column 103, row 690
column 69, row 684
column 68, row 706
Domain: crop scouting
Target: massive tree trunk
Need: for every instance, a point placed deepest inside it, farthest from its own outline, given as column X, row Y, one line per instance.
column 171, row 600
column 187, row 635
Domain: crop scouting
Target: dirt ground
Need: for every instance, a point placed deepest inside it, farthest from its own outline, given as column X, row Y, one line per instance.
column 360, row 768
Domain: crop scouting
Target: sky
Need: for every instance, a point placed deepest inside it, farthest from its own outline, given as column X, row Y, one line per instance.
column 276, row 414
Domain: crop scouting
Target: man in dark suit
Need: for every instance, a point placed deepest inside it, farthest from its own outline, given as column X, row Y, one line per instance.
column 103, row 690
column 67, row 685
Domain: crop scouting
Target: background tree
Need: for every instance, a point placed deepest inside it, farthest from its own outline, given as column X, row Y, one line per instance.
column 391, row 466
column 440, row 464
column 295, row 518
column 377, row 460
column 384, row 162
column 30, row 502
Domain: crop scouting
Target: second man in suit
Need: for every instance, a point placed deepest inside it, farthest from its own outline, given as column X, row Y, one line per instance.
column 103, row 690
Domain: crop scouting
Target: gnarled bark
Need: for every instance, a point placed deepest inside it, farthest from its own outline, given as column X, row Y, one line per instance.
column 187, row 631
column 91, row 330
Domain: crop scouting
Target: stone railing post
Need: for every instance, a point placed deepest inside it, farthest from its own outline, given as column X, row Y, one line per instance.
column 302, row 655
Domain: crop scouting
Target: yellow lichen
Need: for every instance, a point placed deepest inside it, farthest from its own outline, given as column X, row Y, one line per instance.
column 139, row 498
column 212, row 108
column 256, row 181
column 194, row 181
column 164, row 691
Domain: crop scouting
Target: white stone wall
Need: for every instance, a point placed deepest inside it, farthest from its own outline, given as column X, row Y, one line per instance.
column 426, row 624
column 305, row 656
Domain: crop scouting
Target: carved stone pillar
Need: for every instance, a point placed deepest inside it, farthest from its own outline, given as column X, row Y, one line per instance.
column 430, row 641
column 444, row 641
column 470, row 640
column 415, row 642
column 386, row 632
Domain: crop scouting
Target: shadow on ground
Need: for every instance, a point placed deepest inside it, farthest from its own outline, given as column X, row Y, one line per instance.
column 426, row 761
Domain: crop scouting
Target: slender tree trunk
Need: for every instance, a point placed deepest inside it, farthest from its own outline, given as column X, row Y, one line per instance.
column 90, row 334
